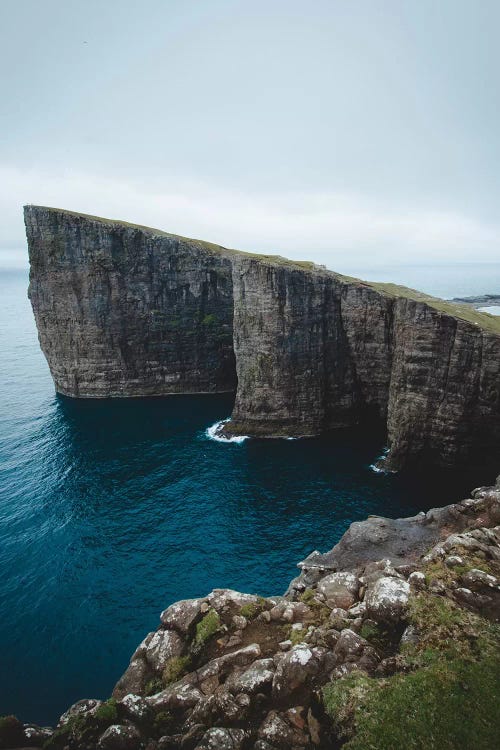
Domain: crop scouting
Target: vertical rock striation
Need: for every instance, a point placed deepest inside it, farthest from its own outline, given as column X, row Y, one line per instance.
column 124, row 310
column 129, row 311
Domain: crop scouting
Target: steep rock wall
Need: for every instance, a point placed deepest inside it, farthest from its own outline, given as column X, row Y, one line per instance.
column 128, row 311
column 123, row 310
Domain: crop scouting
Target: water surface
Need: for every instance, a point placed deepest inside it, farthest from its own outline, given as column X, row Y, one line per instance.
column 111, row 510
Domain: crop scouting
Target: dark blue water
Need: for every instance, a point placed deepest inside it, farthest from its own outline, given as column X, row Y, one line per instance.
column 111, row 510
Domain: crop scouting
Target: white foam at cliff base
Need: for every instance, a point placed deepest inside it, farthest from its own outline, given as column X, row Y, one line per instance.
column 376, row 466
column 214, row 433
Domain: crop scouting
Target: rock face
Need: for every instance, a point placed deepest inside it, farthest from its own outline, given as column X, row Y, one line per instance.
column 262, row 677
column 124, row 310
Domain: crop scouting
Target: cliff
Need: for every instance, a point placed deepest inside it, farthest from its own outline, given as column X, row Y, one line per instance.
column 124, row 310
column 390, row 640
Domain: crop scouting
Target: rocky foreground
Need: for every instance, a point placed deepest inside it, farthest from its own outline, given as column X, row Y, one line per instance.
column 388, row 641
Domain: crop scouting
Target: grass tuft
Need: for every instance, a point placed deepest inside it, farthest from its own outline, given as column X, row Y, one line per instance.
column 207, row 627
column 176, row 667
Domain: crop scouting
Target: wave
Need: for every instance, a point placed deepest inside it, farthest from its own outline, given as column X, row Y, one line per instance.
column 214, row 433
column 377, row 468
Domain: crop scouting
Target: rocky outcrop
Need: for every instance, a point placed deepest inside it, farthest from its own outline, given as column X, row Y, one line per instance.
column 124, row 310
column 238, row 671
column 129, row 311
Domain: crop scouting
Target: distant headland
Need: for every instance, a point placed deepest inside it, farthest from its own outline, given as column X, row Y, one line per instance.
column 124, row 310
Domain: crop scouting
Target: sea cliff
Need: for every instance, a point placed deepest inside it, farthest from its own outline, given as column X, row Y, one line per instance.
column 389, row 640
column 124, row 310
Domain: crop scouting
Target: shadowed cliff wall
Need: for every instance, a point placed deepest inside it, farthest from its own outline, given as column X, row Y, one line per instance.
column 127, row 311
column 123, row 310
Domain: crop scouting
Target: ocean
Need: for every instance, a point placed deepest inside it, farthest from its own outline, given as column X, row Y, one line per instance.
column 111, row 510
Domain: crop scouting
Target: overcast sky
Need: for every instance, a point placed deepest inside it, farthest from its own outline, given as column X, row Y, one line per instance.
column 363, row 131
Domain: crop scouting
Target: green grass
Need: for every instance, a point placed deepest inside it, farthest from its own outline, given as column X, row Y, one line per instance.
column 485, row 321
column 451, row 705
column 252, row 609
column 447, row 696
column 443, row 626
column 296, row 636
column 153, row 686
column 176, row 667
column 107, row 712
column 207, row 627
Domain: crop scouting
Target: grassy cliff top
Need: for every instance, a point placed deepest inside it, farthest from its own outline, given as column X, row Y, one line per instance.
column 277, row 260
column 485, row 321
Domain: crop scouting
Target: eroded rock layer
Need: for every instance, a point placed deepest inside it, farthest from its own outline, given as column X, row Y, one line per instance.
column 124, row 310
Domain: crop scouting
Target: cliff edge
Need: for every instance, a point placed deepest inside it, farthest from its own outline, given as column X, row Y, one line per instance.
column 125, row 310
column 390, row 640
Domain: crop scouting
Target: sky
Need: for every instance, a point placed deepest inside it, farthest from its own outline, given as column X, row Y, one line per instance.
column 347, row 132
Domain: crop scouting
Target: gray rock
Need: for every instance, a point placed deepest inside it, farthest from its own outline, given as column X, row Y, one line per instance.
column 182, row 615
column 387, row 600
column 410, row 636
column 35, row 735
column 402, row 539
column 453, row 560
column 120, row 737
column 476, row 579
column 163, row 646
column 85, row 707
column 254, row 679
column 227, row 599
column 275, row 730
column 339, row 589
column 351, row 648
column 135, row 707
column 295, row 667
column 218, row 738
column 133, row 679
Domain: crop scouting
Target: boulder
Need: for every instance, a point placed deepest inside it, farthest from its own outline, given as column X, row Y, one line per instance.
column 218, row 738
column 339, row 589
column 120, row 737
column 476, row 579
column 387, row 599
column 227, row 599
column 288, row 611
column 134, row 679
column 295, row 667
column 175, row 698
column 417, row 580
column 275, row 730
column 85, row 707
column 255, row 679
column 35, row 735
column 163, row 646
column 182, row 615
column 135, row 707
column 351, row 648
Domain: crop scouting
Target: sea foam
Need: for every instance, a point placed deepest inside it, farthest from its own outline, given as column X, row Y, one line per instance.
column 214, row 433
column 375, row 467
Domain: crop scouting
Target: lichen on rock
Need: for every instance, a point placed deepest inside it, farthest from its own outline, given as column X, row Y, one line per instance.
column 413, row 655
